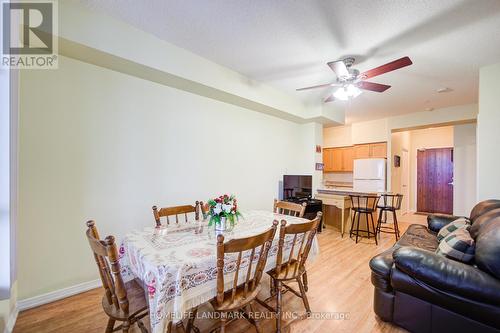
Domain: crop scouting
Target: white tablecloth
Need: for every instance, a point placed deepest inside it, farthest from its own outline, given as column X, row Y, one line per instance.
column 177, row 264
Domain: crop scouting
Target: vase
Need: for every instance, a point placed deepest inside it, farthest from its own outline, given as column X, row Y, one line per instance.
column 220, row 227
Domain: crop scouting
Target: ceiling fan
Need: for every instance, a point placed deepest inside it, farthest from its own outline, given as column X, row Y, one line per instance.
column 350, row 82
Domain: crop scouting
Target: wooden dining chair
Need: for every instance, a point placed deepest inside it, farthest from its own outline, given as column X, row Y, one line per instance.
column 289, row 208
column 298, row 239
column 176, row 211
column 241, row 296
column 122, row 302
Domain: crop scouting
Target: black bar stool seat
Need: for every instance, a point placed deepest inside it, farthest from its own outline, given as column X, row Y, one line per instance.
column 389, row 203
column 363, row 205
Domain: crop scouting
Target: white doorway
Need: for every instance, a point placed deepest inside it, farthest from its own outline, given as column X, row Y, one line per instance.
column 405, row 181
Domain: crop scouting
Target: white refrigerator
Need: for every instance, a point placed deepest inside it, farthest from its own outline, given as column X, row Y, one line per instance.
column 369, row 175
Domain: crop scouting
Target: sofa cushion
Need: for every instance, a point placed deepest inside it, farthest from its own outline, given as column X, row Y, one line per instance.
column 416, row 235
column 419, row 236
column 458, row 245
column 482, row 221
column 436, row 222
column 488, row 248
column 451, row 227
column 483, row 207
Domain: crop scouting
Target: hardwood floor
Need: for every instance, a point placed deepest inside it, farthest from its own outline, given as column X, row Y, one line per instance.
column 339, row 281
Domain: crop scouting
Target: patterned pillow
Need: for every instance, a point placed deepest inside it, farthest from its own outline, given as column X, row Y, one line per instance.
column 458, row 245
column 452, row 226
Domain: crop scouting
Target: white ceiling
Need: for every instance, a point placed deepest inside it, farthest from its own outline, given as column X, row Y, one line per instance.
column 287, row 43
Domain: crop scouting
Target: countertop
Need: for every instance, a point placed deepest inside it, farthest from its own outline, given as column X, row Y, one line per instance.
column 345, row 191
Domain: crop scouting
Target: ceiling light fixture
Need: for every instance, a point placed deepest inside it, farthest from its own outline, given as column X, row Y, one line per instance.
column 346, row 92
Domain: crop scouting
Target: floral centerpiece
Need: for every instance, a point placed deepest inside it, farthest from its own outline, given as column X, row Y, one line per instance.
column 221, row 210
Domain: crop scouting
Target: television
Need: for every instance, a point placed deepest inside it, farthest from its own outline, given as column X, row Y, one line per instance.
column 297, row 187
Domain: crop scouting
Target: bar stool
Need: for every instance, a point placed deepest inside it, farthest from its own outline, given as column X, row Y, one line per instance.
column 389, row 203
column 364, row 205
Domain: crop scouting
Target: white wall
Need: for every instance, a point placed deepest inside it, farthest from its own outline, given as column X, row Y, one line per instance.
column 439, row 137
column 5, row 273
column 488, row 138
column 5, row 187
column 381, row 129
column 370, row 131
column 338, row 136
column 464, row 169
column 400, row 141
column 97, row 144
column 95, row 37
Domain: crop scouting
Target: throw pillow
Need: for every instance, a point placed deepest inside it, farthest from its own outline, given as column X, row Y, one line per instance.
column 452, row 226
column 458, row 245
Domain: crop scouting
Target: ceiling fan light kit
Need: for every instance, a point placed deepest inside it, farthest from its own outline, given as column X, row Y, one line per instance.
column 346, row 92
column 350, row 81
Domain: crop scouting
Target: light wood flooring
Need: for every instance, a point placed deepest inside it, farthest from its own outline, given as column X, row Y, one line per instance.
column 339, row 281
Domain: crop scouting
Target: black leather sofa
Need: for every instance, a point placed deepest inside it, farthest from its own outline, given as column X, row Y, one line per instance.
column 422, row 291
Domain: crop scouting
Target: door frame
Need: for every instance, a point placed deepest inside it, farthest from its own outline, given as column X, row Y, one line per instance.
column 405, row 156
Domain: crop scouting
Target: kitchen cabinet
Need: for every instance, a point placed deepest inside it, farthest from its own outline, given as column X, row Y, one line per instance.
column 342, row 159
column 338, row 159
column 362, row 151
column 370, row 150
column 348, row 159
column 331, row 203
column 378, row 150
column 328, row 159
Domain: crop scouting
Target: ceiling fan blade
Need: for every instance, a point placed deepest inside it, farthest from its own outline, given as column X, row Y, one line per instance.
column 318, row 86
column 391, row 66
column 372, row 86
column 339, row 68
column 329, row 99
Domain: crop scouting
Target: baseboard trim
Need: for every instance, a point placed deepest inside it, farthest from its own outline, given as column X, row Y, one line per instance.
column 56, row 295
column 9, row 327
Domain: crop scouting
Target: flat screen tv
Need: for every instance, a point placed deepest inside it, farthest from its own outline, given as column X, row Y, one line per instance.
column 297, row 187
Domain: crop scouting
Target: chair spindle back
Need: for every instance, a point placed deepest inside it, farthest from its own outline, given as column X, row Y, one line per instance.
column 364, row 202
column 240, row 245
column 176, row 211
column 391, row 200
column 105, row 253
column 289, row 208
column 304, row 231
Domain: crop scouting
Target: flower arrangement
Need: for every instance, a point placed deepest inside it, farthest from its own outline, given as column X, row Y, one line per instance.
column 223, row 208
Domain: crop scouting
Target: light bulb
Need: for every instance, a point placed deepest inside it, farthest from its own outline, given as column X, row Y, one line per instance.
column 341, row 94
column 353, row 91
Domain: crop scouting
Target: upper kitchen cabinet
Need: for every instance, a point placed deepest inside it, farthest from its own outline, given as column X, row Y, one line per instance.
column 371, row 150
column 362, row 151
column 378, row 150
column 338, row 159
column 348, row 159
column 328, row 159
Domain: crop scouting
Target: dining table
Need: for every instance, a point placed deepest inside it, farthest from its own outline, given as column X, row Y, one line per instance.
column 177, row 266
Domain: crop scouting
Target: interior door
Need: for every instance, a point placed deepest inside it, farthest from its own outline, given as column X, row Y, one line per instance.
column 435, row 180
column 405, row 181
